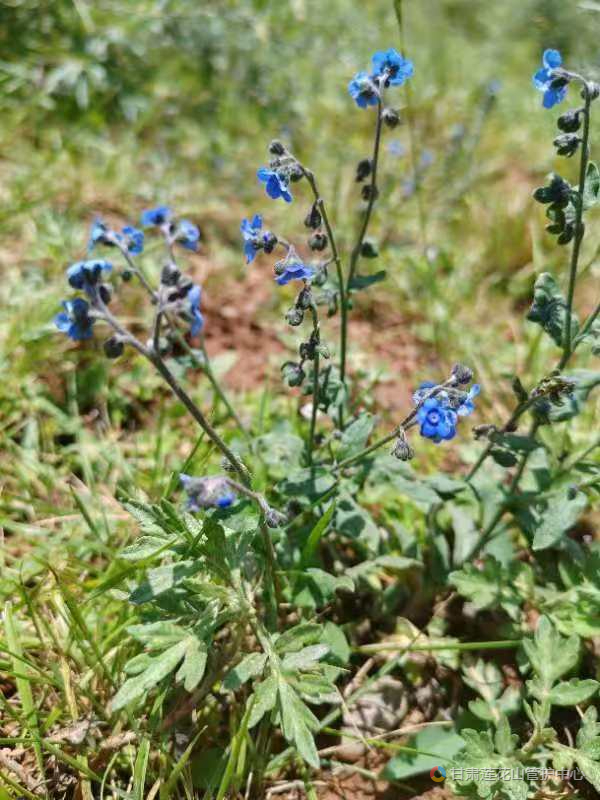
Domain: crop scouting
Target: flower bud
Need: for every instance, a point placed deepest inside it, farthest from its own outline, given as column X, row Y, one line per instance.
column 569, row 122
column 367, row 192
column 274, row 518
column 292, row 373
column 593, row 89
column 113, row 347
column 294, row 316
column 313, row 218
column 391, row 117
column 127, row 275
column 105, row 292
column 567, row 234
column 401, row 449
column 295, row 173
column 304, row 299
column 277, row 148
column 462, row 373
column 567, row 144
column 363, row 169
column 269, row 242
column 318, row 242
column 369, row 249
column 170, row 275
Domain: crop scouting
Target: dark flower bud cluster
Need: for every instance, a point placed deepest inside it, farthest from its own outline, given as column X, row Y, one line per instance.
column 292, row 373
column 567, row 144
column 402, row 449
column 557, row 195
column 363, row 169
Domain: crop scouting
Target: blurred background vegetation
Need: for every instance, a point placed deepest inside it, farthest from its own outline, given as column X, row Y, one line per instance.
column 110, row 106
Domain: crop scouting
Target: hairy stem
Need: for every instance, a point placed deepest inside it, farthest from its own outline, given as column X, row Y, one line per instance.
column 315, row 401
column 340, row 276
column 355, row 255
column 578, row 237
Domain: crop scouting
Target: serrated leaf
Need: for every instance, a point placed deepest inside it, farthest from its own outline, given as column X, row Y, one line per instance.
column 249, row 667
column 298, row 637
column 137, row 687
column 162, row 579
column 573, row 692
column 192, row 669
column 157, row 635
column 562, row 513
column 305, row 658
column 265, row 697
column 335, row 639
column 145, row 547
column 297, row 721
column 550, row 654
column 505, row 741
column 442, row 741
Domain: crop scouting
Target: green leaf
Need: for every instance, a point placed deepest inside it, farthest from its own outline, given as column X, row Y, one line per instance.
column 573, row 692
column 439, row 745
column 335, row 639
column 515, row 442
column 308, row 483
column 135, row 688
column 298, row 637
column 591, row 188
column 305, row 658
column 316, row 534
column 495, row 586
column 359, row 282
column 249, row 667
column 157, row 635
column 590, row 768
column 549, row 308
column 585, row 382
column 192, row 669
column 550, row 655
column 163, row 578
column 355, row 436
column 281, row 452
column 297, row 722
column 265, row 697
column 562, row 513
column 504, row 740
column 487, row 680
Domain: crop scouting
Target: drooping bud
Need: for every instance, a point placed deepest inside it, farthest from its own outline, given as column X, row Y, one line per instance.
column 269, row 242
column 570, row 121
column 113, row 347
column 391, row 117
column 169, row 275
column 462, row 373
column 401, row 449
column 292, row 373
column 363, row 169
column 294, row 316
column 318, row 242
column 313, row 218
column 368, row 249
column 567, row 144
column 274, row 518
column 277, row 148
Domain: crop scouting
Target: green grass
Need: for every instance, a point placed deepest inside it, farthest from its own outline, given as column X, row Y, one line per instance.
column 181, row 110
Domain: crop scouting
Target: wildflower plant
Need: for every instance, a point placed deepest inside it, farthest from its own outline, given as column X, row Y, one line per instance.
column 239, row 571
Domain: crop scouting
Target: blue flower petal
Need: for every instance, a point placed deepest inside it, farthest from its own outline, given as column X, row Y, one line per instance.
column 552, row 59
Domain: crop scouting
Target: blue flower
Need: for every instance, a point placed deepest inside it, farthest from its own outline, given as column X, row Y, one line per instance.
column 86, row 274
column 251, row 231
column 391, row 67
column 194, row 297
column 209, row 492
column 545, row 79
column 424, row 388
column 363, row 91
column 134, row 239
column 291, row 268
column 75, row 320
column 98, row 234
column 275, row 185
column 155, row 216
column 467, row 406
column 187, row 234
column 437, row 421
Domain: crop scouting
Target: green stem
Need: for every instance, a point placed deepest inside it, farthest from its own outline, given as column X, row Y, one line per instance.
column 315, row 400
column 310, row 177
column 382, row 647
column 355, row 255
column 491, row 527
column 579, row 231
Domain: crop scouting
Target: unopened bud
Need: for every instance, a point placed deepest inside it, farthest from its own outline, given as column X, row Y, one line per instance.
column 391, row 117
column 318, row 242
column 313, row 218
column 363, row 169
column 113, row 347
column 462, row 373
column 294, row 316
column 276, row 148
